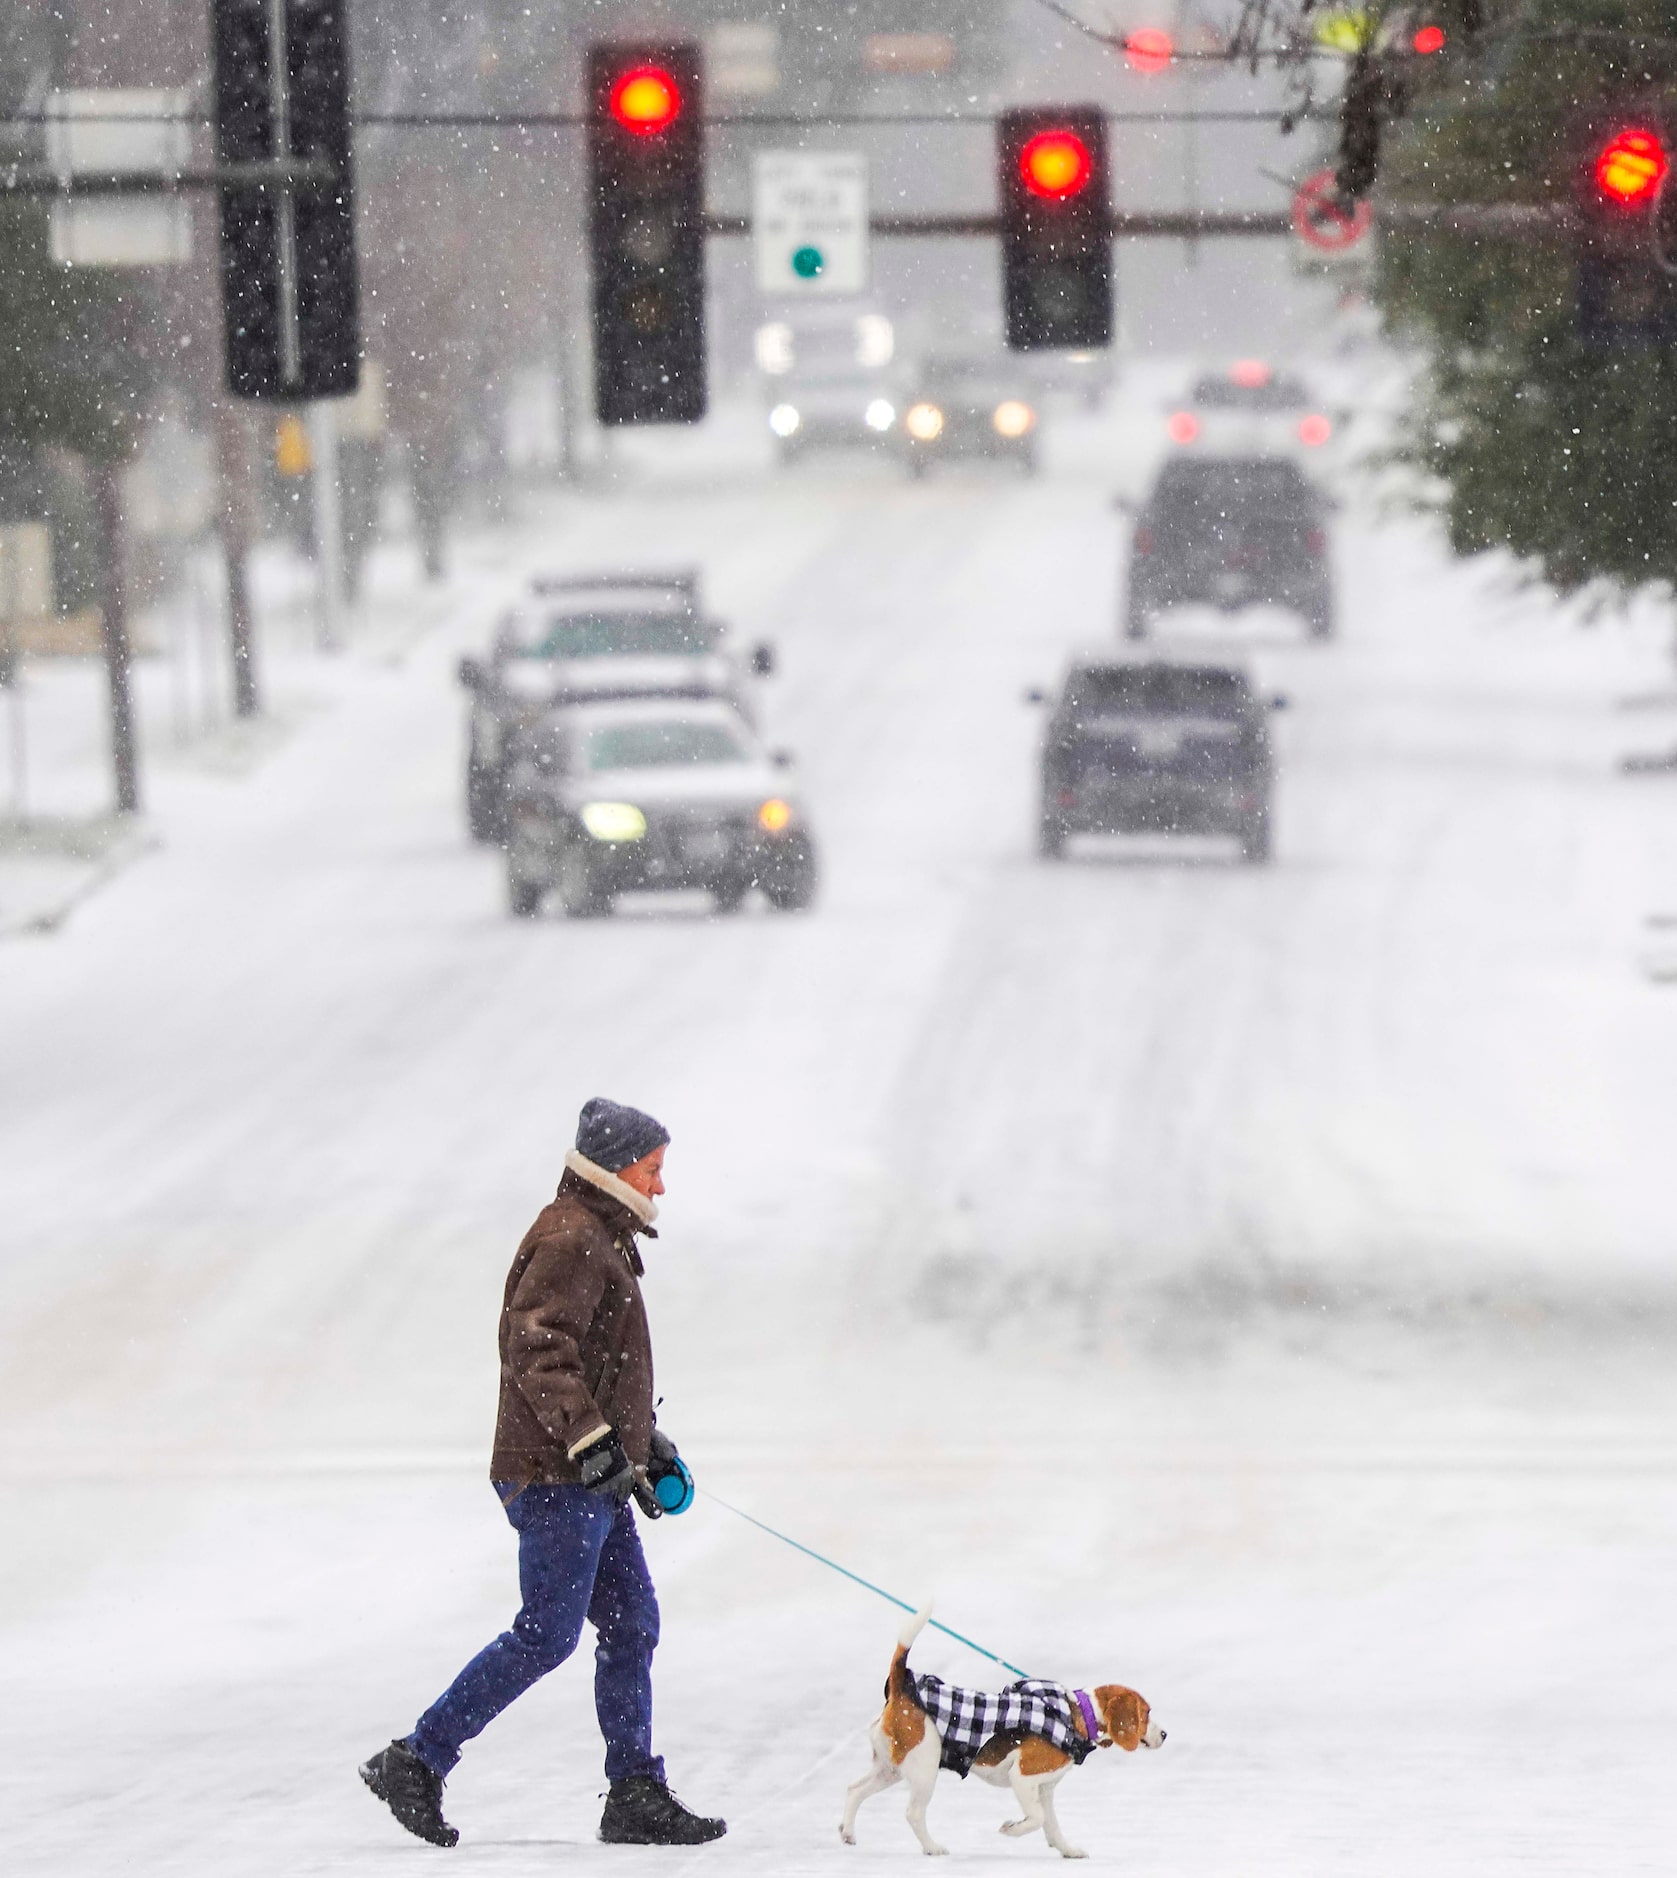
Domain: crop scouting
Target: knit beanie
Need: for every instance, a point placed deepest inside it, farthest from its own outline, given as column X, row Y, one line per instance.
column 614, row 1136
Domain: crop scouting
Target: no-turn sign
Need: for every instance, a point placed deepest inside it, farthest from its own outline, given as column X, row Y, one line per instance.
column 1322, row 219
column 809, row 221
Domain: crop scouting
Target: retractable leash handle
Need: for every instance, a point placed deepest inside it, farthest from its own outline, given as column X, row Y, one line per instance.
column 867, row 1584
column 664, row 1488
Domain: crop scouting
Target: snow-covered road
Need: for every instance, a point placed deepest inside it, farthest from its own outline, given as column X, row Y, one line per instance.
column 1252, row 1284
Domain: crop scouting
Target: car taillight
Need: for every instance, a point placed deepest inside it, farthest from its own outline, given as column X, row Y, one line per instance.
column 1314, row 430
column 1144, row 540
column 1316, row 542
column 1065, row 799
column 1182, row 427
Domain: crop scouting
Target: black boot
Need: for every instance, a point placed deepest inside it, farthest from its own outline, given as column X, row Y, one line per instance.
column 643, row 1811
column 412, row 1792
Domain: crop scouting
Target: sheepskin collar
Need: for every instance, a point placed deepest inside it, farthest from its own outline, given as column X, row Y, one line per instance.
column 637, row 1204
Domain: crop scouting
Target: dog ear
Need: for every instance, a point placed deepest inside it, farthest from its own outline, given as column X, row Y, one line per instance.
column 1124, row 1713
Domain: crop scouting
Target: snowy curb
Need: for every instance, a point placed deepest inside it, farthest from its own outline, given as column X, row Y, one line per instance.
column 89, row 872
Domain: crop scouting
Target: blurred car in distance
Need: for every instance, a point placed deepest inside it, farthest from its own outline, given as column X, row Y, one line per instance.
column 581, row 636
column 837, row 410
column 1231, row 532
column 1251, row 410
column 829, row 379
column 1156, row 748
column 629, row 796
column 969, row 408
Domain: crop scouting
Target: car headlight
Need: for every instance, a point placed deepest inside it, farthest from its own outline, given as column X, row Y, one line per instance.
column 613, row 821
column 880, row 415
column 924, row 422
column 784, row 419
column 774, row 348
column 876, row 340
column 1013, row 418
column 775, row 816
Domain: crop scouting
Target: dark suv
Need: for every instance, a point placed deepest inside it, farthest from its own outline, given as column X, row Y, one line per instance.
column 1231, row 532
column 1157, row 748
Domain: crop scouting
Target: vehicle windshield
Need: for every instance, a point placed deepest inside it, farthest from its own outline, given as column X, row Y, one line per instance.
column 1223, row 394
column 973, row 376
column 656, row 745
column 609, row 636
column 1159, row 691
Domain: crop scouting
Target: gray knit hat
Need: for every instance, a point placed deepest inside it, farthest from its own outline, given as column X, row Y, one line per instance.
column 614, row 1136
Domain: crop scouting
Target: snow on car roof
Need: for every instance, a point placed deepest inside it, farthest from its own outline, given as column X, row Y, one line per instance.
column 556, row 603
column 684, row 581
column 596, row 713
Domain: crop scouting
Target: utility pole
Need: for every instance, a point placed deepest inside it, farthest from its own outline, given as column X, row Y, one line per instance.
column 113, row 633
column 116, row 42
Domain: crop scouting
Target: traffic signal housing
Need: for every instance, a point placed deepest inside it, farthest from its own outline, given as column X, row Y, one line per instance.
column 1626, row 292
column 646, row 233
column 1055, row 229
column 288, row 274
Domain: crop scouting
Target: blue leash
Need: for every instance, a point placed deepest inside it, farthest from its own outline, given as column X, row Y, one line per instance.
column 856, row 1578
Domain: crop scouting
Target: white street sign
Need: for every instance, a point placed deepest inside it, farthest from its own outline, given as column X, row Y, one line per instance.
column 809, row 221
column 114, row 133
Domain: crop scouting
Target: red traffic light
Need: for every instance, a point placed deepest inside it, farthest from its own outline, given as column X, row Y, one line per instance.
column 1149, row 49
column 1631, row 167
column 645, row 99
column 1056, row 164
column 1428, row 40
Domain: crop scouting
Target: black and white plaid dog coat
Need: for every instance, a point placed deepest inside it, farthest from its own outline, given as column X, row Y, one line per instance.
column 967, row 1718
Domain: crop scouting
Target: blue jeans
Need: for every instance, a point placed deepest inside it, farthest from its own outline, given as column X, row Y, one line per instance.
column 578, row 1556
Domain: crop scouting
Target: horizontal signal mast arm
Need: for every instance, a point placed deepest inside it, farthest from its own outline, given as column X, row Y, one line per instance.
column 1160, row 222
column 1485, row 218
column 295, row 173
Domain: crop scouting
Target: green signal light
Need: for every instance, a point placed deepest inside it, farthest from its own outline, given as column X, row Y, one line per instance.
column 808, row 262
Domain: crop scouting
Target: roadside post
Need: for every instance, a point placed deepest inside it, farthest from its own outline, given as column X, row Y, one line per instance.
column 25, row 595
column 322, row 424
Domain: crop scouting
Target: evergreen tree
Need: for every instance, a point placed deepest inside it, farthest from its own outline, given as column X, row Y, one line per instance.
column 1541, row 444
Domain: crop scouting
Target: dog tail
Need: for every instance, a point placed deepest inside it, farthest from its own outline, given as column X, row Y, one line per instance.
column 898, row 1682
column 912, row 1627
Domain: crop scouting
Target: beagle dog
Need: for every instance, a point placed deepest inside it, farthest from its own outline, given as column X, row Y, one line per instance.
column 909, row 1746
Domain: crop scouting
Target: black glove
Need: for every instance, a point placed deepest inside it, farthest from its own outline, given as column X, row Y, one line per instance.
column 660, row 1454
column 604, row 1469
column 666, row 1485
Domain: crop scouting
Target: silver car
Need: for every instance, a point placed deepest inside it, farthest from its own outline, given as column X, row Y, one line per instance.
column 592, row 636
column 630, row 796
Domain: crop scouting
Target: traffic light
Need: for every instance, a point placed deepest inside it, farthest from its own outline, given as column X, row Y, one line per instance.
column 1626, row 286
column 1056, row 235
column 646, row 233
column 288, row 276
column 1149, row 49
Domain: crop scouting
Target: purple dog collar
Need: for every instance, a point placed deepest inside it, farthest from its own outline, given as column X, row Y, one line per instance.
column 1088, row 1710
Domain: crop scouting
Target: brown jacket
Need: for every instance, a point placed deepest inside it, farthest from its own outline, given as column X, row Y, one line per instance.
column 576, row 1353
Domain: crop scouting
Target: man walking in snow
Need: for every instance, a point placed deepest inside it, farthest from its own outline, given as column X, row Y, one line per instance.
column 573, row 1441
